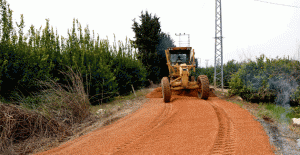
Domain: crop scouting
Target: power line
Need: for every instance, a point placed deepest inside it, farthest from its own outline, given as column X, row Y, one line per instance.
column 278, row 4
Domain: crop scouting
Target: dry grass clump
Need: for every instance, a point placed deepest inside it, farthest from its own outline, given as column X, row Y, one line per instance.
column 70, row 104
column 62, row 109
column 18, row 124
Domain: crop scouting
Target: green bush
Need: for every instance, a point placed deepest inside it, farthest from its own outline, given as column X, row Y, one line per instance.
column 267, row 80
column 209, row 72
column 282, row 114
column 128, row 70
column 42, row 54
column 229, row 69
column 296, row 112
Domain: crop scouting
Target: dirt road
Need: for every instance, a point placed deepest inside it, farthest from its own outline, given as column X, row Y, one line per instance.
column 186, row 125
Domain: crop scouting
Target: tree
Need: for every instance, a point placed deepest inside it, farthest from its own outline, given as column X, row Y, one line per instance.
column 196, row 61
column 147, row 36
column 165, row 41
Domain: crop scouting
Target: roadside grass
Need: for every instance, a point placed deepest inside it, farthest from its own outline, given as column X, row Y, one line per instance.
column 45, row 118
column 120, row 101
column 268, row 111
column 238, row 103
column 280, row 114
column 271, row 111
column 277, row 113
column 54, row 115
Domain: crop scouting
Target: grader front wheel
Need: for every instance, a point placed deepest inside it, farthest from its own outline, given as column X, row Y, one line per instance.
column 166, row 90
column 203, row 83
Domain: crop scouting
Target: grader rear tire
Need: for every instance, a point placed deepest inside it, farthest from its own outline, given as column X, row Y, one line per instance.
column 166, row 90
column 203, row 83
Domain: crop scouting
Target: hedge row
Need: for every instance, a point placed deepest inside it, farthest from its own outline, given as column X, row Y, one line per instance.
column 268, row 80
column 229, row 68
column 41, row 54
column 263, row 80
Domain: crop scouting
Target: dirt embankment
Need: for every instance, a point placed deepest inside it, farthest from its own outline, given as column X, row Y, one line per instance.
column 186, row 125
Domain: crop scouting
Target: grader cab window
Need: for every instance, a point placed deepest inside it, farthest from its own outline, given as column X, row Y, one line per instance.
column 179, row 57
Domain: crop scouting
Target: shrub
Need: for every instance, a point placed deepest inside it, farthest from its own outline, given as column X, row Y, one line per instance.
column 42, row 54
column 267, row 80
column 229, row 69
column 56, row 110
column 128, row 70
column 18, row 125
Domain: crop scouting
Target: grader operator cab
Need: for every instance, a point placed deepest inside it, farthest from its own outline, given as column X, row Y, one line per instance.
column 180, row 61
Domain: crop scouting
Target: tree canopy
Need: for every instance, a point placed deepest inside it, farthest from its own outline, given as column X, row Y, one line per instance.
column 165, row 41
column 147, row 35
column 151, row 43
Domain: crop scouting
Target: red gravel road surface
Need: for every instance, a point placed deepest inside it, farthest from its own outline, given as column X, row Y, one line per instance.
column 186, row 125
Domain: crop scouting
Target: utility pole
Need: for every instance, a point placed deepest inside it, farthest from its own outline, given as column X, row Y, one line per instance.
column 180, row 42
column 218, row 76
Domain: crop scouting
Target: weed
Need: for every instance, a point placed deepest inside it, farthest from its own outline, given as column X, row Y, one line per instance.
column 277, row 112
column 265, row 113
column 51, row 113
column 240, row 104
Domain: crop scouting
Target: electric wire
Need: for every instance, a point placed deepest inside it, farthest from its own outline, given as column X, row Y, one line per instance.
column 278, row 4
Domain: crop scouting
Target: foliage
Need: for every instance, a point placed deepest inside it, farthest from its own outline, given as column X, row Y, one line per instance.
column 42, row 54
column 209, row 72
column 279, row 113
column 165, row 42
column 147, row 36
column 128, row 70
column 91, row 57
column 267, row 80
column 296, row 112
column 196, row 61
column 53, row 113
column 229, row 69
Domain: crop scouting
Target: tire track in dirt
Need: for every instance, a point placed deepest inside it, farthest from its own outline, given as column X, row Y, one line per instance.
column 186, row 125
column 165, row 114
column 225, row 142
column 157, row 128
column 188, row 131
column 241, row 133
column 115, row 136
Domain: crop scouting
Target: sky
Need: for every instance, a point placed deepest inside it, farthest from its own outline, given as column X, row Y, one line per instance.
column 250, row 27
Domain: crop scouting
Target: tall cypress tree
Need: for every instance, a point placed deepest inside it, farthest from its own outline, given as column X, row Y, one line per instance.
column 147, row 36
column 165, row 41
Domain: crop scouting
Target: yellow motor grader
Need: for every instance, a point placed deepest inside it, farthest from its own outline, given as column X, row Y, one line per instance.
column 180, row 61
